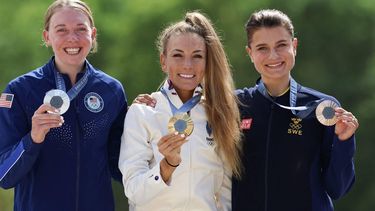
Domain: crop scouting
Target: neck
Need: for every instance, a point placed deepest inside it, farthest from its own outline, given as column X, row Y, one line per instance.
column 71, row 71
column 277, row 89
column 185, row 95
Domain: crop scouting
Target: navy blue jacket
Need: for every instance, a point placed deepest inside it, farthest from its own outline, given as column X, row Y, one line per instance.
column 290, row 164
column 72, row 168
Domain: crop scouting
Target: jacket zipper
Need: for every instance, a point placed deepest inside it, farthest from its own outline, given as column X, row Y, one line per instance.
column 78, row 153
column 267, row 160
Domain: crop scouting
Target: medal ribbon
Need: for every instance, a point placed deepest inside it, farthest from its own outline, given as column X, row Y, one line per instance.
column 186, row 106
column 300, row 111
column 73, row 92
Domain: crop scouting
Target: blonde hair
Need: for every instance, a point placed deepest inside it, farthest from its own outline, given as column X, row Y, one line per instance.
column 218, row 87
column 75, row 4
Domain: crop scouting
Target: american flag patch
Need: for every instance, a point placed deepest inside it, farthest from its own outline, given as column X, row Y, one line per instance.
column 6, row 100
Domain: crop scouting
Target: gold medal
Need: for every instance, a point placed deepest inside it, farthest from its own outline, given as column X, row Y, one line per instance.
column 57, row 99
column 182, row 123
column 325, row 112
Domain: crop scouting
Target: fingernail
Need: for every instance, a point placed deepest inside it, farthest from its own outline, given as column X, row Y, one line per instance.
column 183, row 135
column 176, row 133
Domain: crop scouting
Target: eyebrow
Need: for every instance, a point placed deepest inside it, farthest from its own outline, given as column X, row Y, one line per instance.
column 263, row 44
column 63, row 25
column 181, row 51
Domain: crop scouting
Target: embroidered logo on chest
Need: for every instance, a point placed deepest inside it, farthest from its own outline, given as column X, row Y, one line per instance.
column 295, row 127
column 93, row 102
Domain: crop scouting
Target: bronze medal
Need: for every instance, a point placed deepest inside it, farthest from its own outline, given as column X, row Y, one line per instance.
column 182, row 123
column 325, row 112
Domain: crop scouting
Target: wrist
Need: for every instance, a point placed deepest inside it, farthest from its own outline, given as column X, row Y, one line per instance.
column 171, row 164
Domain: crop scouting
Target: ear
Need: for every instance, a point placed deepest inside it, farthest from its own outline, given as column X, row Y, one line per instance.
column 249, row 52
column 93, row 34
column 46, row 38
column 162, row 63
column 295, row 44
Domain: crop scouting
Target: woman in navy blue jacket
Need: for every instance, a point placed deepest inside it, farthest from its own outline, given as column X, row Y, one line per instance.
column 56, row 156
column 291, row 161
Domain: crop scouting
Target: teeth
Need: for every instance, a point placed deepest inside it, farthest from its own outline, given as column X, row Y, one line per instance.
column 72, row 51
column 274, row 65
column 186, row 75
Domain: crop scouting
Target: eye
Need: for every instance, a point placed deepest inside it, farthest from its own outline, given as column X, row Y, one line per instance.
column 82, row 29
column 176, row 55
column 281, row 45
column 262, row 49
column 198, row 56
column 61, row 30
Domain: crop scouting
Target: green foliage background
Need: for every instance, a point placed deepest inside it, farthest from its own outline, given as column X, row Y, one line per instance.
column 335, row 55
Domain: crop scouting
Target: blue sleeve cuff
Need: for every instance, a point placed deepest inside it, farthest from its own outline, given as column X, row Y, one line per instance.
column 29, row 145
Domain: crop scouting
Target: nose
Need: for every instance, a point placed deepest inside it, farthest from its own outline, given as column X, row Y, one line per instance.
column 73, row 36
column 273, row 54
column 188, row 63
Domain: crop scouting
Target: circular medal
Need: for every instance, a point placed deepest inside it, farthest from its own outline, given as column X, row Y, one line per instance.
column 57, row 99
column 325, row 112
column 182, row 123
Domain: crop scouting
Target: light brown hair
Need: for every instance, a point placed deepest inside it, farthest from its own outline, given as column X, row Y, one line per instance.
column 218, row 87
column 75, row 4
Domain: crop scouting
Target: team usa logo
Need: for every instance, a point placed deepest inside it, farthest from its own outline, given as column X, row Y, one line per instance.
column 295, row 126
column 94, row 102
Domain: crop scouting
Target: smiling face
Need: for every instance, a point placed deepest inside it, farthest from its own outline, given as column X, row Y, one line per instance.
column 71, row 37
column 184, row 60
column 273, row 51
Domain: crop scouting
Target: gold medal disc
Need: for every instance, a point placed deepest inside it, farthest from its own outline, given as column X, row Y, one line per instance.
column 325, row 112
column 57, row 99
column 182, row 123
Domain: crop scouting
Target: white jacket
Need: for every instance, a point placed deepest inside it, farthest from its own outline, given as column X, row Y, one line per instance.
column 200, row 182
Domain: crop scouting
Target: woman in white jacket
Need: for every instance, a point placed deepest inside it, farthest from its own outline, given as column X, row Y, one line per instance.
column 181, row 154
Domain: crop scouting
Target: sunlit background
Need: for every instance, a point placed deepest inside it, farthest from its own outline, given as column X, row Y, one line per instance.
column 336, row 55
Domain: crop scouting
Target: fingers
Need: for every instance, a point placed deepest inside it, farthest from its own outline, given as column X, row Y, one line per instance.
column 44, row 118
column 171, row 142
column 145, row 99
column 346, row 117
column 46, row 108
column 346, row 125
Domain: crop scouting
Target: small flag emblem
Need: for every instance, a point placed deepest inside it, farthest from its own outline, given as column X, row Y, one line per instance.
column 6, row 100
column 246, row 124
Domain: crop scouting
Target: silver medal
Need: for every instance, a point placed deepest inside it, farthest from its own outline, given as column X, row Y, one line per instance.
column 57, row 99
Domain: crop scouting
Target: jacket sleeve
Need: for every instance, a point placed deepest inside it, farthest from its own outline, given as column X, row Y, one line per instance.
column 141, row 181
column 338, row 169
column 18, row 152
column 114, row 139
